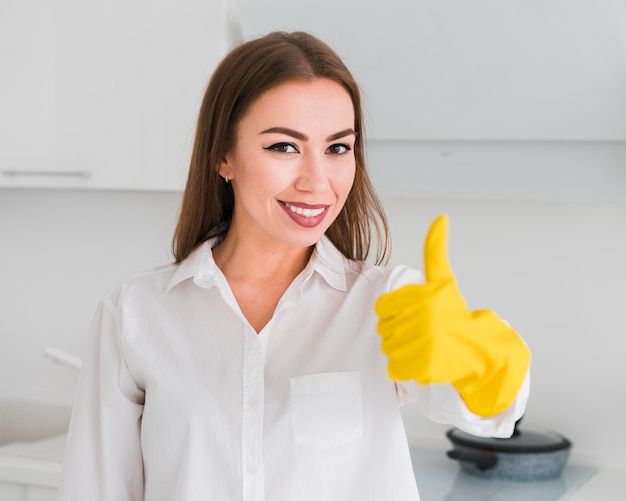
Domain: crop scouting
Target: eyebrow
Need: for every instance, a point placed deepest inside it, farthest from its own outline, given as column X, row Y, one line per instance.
column 304, row 137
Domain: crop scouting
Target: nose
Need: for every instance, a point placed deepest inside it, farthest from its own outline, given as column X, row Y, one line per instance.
column 313, row 175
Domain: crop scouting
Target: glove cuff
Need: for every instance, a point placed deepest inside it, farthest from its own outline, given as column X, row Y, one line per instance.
column 496, row 389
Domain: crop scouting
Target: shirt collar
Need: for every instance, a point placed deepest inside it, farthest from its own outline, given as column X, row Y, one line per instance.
column 331, row 264
column 326, row 260
column 199, row 265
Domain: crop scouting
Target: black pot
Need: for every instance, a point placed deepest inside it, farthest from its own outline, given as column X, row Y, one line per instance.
column 527, row 455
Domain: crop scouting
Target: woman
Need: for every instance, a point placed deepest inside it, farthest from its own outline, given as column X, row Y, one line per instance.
column 250, row 368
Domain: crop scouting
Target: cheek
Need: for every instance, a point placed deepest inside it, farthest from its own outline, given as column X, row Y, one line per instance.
column 345, row 182
column 259, row 175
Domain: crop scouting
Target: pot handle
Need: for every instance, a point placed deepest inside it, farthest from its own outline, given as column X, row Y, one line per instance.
column 483, row 460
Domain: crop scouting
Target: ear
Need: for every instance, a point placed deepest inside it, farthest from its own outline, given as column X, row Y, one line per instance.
column 225, row 168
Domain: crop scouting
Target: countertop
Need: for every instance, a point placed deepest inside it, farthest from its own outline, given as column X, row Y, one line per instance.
column 33, row 463
column 439, row 478
column 605, row 485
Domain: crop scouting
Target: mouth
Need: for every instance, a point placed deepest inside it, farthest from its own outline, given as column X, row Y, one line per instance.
column 305, row 214
column 305, row 211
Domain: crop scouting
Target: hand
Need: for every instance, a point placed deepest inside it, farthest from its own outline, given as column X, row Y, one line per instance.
column 430, row 336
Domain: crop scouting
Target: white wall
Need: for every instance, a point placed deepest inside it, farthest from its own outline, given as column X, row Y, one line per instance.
column 61, row 252
column 555, row 270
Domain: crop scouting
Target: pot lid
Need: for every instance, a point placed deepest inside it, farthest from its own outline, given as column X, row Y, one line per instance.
column 521, row 441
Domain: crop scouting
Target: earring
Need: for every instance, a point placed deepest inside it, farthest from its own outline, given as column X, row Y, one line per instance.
column 226, row 178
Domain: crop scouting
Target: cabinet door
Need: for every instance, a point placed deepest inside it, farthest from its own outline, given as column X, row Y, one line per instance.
column 27, row 90
column 473, row 70
column 104, row 95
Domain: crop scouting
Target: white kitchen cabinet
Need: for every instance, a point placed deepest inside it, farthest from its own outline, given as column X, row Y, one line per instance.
column 31, row 471
column 104, row 95
column 480, row 70
column 499, row 170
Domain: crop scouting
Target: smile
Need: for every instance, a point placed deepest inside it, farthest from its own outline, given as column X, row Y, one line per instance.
column 305, row 212
column 305, row 215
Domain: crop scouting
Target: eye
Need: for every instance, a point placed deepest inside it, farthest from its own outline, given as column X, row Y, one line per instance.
column 282, row 148
column 339, row 149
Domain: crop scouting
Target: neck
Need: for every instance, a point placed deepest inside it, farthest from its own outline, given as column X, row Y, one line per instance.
column 248, row 260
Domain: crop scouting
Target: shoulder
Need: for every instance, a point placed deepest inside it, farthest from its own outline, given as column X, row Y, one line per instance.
column 141, row 285
column 351, row 273
column 386, row 278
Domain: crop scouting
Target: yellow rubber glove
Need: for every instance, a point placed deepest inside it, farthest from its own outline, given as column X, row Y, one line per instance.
column 430, row 336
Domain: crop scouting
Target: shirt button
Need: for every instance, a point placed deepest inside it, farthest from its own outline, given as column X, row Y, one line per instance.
column 251, row 470
column 253, row 403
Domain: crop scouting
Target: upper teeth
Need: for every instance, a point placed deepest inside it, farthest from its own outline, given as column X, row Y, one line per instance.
column 305, row 212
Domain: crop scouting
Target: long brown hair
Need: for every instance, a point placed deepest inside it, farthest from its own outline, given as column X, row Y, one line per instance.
column 244, row 74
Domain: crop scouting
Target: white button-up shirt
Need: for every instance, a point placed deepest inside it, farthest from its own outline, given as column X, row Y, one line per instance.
column 180, row 399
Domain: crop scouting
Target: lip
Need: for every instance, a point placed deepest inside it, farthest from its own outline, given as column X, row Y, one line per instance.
column 305, row 218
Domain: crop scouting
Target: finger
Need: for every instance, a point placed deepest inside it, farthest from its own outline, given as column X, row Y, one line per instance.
column 391, row 303
column 402, row 341
column 436, row 265
column 400, row 324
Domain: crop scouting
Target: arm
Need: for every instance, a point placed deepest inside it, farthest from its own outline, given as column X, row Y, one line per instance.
column 441, row 403
column 103, row 458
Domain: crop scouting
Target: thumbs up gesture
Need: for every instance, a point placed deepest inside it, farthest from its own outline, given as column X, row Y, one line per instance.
column 430, row 336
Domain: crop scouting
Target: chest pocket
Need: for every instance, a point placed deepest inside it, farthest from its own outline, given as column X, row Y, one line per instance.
column 326, row 409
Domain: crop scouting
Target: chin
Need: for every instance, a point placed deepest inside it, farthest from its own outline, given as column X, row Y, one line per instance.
column 308, row 239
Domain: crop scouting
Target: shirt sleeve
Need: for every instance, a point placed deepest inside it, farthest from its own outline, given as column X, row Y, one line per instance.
column 103, row 458
column 443, row 404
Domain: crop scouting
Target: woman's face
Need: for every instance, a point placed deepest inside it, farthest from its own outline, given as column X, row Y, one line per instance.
column 293, row 164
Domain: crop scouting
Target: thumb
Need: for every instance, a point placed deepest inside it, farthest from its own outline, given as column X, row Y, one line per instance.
column 436, row 265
